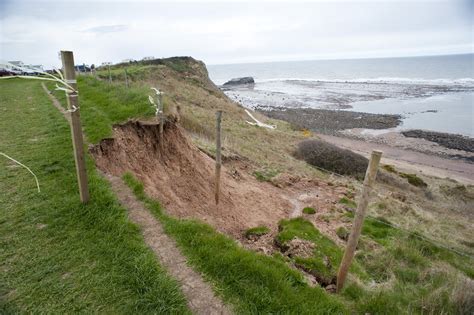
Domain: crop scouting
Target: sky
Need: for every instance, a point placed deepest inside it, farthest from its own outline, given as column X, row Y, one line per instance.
column 233, row 32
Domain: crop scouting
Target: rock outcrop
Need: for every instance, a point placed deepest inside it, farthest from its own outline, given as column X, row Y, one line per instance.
column 240, row 81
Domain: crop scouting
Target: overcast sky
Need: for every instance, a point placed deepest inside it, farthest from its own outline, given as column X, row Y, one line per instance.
column 231, row 32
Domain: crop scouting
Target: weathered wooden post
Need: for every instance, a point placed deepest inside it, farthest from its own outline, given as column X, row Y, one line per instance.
column 110, row 76
column 126, row 78
column 162, row 118
column 218, row 154
column 76, row 130
column 359, row 219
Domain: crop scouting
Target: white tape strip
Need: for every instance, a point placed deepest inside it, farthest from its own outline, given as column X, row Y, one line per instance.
column 70, row 81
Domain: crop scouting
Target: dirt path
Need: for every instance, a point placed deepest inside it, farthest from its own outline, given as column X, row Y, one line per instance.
column 201, row 298
column 56, row 103
column 406, row 159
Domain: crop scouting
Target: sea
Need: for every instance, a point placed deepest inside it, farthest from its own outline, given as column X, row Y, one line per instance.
column 431, row 92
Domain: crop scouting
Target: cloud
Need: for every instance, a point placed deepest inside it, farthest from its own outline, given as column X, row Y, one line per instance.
column 102, row 29
column 232, row 32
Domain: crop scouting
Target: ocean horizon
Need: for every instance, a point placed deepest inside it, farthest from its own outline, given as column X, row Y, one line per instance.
column 431, row 92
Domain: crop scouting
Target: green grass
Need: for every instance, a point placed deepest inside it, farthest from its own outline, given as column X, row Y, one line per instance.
column 348, row 202
column 326, row 256
column 379, row 230
column 257, row 231
column 254, row 283
column 265, row 175
column 309, row 210
column 103, row 104
column 342, row 233
column 57, row 255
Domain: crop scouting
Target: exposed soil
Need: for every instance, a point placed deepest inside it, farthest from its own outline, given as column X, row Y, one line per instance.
column 182, row 178
column 300, row 248
column 330, row 121
column 198, row 293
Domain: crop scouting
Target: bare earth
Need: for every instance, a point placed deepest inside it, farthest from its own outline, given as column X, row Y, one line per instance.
column 182, row 178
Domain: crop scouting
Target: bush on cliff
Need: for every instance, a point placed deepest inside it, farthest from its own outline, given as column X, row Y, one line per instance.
column 332, row 158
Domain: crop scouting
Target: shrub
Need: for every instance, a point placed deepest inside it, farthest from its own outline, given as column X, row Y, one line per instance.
column 309, row 210
column 414, row 180
column 389, row 168
column 332, row 158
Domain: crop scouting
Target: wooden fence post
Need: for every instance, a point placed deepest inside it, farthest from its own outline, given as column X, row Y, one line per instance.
column 218, row 154
column 162, row 118
column 359, row 219
column 110, row 76
column 76, row 130
column 126, row 78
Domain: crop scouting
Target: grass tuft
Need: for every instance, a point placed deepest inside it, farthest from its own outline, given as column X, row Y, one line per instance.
column 309, row 210
column 348, row 202
column 257, row 231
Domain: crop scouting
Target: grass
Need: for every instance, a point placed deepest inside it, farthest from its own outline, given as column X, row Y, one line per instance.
column 342, row 233
column 348, row 202
column 389, row 168
column 103, row 104
column 413, row 180
column 327, row 255
column 309, row 210
column 265, row 175
column 57, row 255
column 254, row 283
column 257, row 231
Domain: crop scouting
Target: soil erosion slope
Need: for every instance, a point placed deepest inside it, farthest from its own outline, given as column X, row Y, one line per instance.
column 182, row 178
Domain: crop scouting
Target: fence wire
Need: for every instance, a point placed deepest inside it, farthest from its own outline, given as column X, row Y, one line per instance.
column 359, row 186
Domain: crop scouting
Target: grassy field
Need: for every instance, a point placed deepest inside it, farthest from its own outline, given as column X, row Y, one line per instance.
column 60, row 256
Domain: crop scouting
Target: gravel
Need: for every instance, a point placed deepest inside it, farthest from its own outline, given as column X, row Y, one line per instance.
column 331, row 121
column 450, row 141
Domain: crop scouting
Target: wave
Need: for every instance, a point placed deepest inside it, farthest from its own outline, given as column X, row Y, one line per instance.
column 388, row 80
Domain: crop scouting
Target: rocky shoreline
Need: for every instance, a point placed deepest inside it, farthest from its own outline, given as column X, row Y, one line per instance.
column 348, row 124
column 447, row 140
column 331, row 121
